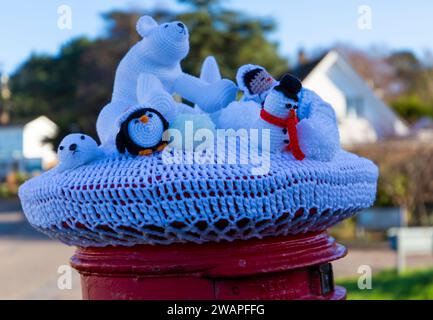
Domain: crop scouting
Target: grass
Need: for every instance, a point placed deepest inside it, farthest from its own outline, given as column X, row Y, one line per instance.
column 388, row 285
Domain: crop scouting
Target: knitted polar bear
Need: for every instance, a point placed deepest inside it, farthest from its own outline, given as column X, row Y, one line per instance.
column 159, row 53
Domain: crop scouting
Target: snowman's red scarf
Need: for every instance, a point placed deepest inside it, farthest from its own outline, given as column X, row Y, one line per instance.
column 289, row 124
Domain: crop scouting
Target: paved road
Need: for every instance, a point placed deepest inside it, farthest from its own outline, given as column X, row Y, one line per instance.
column 378, row 258
column 29, row 261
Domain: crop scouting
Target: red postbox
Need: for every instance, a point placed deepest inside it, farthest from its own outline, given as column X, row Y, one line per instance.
column 281, row 268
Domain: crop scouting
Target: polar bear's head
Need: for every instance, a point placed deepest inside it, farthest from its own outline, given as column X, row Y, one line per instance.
column 167, row 42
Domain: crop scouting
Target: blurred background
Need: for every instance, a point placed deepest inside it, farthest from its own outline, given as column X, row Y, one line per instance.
column 373, row 61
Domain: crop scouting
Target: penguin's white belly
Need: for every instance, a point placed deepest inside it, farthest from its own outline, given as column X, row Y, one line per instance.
column 146, row 135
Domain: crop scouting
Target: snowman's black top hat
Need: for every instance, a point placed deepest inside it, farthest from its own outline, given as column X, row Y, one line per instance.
column 289, row 86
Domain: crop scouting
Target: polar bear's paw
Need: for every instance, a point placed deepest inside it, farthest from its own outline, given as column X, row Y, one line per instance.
column 220, row 94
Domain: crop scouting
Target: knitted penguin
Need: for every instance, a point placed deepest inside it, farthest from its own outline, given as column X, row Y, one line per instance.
column 255, row 82
column 141, row 133
column 159, row 53
column 141, row 128
column 279, row 115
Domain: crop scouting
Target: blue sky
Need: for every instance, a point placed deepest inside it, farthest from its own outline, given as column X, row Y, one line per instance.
column 28, row 26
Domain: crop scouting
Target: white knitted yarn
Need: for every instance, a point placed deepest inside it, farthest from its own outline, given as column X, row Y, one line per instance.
column 77, row 149
column 159, row 53
column 126, row 201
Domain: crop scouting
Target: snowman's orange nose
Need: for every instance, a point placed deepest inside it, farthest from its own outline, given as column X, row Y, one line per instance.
column 144, row 119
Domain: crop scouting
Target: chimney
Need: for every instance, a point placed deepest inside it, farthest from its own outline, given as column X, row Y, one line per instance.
column 4, row 87
column 4, row 118
column 302, row 58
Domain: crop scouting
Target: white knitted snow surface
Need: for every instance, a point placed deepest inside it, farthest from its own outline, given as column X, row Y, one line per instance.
column 127, row 201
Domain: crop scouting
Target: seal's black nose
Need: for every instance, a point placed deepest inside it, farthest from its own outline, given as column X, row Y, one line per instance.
column 73, row 147
column 180, row 24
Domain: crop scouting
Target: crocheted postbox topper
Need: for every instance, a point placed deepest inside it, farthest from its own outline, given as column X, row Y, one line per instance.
column 127, row 201
column 132, row 190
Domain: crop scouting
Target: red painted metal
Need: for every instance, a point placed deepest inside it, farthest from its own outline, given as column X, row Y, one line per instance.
column 294, row 267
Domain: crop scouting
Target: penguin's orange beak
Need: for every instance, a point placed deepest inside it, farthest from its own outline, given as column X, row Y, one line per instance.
column 144, row 119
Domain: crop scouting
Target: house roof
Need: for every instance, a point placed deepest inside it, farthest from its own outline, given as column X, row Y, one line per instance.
column 303, row 70
column 22, row 122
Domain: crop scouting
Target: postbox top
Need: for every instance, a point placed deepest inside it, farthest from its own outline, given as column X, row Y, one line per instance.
column 127, row 201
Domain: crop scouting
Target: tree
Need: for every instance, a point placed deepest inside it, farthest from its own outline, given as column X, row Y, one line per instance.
column 73, row 86
column 404, row 81
column 412, row 107
column 405, row 177
column 375, row 70
column 417, row 80
column 234, row 38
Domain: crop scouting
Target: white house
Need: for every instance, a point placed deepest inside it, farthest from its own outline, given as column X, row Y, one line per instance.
column 35, row 133
column 24, row 147
column 362, row 116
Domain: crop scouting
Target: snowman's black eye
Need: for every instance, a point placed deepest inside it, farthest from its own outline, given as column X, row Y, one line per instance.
column 166, row 26
column 83, row 137
column 150, row 115
column 61, row 147
column 289, row 106
column 135, row 121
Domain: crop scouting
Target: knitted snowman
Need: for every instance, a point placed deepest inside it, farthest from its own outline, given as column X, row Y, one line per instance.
column 280, row 115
